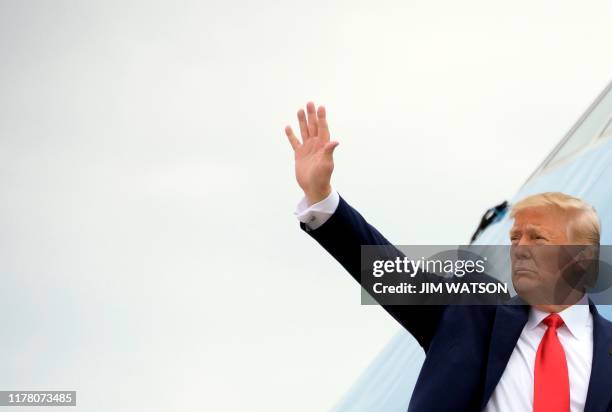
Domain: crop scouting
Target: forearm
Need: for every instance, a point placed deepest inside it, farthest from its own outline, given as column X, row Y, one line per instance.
column 343, row 234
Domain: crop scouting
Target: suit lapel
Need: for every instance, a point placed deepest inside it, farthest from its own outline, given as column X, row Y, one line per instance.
column 599, row 394
column 509, row 322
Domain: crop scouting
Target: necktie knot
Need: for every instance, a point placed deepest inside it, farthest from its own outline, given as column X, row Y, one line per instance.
column 553, row 321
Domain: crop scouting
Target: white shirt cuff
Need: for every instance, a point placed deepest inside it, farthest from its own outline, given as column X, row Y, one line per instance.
column 317, row 214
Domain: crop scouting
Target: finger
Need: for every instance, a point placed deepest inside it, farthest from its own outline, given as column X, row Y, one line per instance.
column 295, row 143
column 322, row 123
column 329, row 148
column 312, row 119
column 303, row 125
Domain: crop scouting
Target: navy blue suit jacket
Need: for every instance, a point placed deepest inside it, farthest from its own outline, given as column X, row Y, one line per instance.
column 467, row 347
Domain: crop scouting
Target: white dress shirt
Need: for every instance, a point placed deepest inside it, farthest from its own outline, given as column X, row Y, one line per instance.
column 514, row 391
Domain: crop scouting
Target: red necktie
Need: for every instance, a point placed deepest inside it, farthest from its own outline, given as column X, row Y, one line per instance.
column 551, row 381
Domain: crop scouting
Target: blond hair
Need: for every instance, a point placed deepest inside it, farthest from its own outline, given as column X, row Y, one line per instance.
column 583, row 222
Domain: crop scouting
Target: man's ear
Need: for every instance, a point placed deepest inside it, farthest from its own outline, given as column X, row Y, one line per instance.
column 588, row 262
column 581, row 269
column 587, row 254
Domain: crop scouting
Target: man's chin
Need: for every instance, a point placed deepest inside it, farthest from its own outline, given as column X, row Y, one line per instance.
column 526, row 285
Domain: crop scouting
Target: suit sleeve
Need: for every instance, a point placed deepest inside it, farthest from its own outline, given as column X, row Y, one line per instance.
column 342, row 236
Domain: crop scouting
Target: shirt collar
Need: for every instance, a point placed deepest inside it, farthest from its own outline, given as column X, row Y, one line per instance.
column 575, row 317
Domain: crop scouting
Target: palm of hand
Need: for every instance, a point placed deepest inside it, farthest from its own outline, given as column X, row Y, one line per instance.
column 314, row 154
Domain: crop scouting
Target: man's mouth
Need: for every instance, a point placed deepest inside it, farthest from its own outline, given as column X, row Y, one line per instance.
column 523, row 271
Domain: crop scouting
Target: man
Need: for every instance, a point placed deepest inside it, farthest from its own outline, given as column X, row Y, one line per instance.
column 551, row 353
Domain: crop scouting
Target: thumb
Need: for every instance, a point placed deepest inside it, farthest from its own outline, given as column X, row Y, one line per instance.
column 329, row 148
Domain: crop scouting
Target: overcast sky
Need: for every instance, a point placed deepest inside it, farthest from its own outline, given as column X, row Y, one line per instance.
column 149, row 253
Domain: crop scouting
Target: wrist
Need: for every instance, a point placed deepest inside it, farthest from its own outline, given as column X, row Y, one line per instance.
column 315, row 196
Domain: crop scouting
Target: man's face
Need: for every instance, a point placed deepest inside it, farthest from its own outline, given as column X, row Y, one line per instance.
column 540, row 262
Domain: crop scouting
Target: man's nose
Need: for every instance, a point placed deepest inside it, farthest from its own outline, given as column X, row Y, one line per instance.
column 520, row 250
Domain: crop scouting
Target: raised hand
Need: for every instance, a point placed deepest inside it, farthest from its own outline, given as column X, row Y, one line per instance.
column 314, row 162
